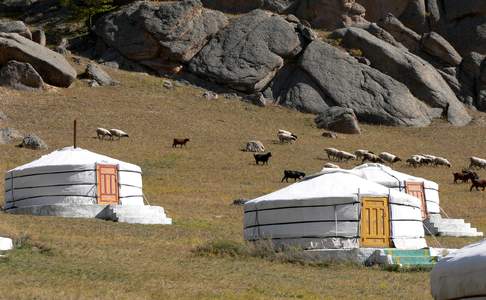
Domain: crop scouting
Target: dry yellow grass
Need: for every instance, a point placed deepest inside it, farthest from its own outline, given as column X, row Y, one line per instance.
column 104, row 260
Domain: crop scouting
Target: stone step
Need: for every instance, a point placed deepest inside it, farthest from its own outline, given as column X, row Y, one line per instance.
column 403, row 252
column 410, row 261
column 460, row 233
column 140, row 214
column 145, row 220
column 454, row 227
column 450, row 222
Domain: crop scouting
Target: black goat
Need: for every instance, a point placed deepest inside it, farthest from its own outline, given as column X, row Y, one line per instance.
column 262, row 158
column 292, row 174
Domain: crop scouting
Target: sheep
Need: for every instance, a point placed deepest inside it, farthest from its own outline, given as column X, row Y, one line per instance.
column 181, row 142
column 477, row 162
column 360, row 153
column 441, row 161
column 331, row 166
column 372, row 158
column 118, row 133
column 331, row 153
column 422, row 160
column 477, row 183
column 389, row 158
column 413, row 162
column 262, row 158
column 292, row 174
column 102, row 133
column 284, row 132
column 346, row 156
column 284, row 138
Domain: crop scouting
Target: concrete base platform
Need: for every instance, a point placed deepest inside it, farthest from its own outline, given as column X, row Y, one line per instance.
column 436, row 225
column 5, row 244
column 133, row 214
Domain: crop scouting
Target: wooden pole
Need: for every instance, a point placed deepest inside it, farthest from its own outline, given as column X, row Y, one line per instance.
column 74, row 134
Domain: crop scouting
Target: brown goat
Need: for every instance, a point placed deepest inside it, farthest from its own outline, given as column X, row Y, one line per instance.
column 478, row 183
column 181, row 142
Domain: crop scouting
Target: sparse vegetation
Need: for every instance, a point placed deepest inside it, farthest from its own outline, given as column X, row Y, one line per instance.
column 106, row 260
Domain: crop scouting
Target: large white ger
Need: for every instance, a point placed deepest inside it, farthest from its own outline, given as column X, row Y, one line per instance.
column 427, row 191
column 336, row 209
column 75, row 182
column 461, row 274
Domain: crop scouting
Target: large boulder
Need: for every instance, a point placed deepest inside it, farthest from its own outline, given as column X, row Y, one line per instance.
column 326, row 76
column 400, row 32
column 39, row 36
column 15, row 27
column 338, row 119
column 53, row 67
column 21, row 76
column 244, row 6
column 254, row 146
column 377, row 9
column 419, row 76
column 331, row 14
column 247, row 54
column 160, row 34
column 468, row 74
column 434, row 44
column 7, row 135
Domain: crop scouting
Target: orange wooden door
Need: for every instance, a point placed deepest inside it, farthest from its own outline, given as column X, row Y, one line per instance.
column 375, row 222
column 107, row 184
column 416, row 189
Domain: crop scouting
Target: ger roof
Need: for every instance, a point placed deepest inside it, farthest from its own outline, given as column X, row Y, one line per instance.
column 386, row 175
column 70, row 156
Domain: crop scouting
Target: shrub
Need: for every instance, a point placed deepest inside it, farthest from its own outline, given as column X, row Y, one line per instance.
column 355, row 52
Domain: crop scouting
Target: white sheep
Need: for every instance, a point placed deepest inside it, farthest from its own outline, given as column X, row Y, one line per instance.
column 389, row 158
column 441, row 161
column 331, row 153
column 360, row 153
column 477, row 162
column 102, row 133
column 346, row 156
column 284, row 132
column 330, row 166
column 118, row 133
column 286, row 138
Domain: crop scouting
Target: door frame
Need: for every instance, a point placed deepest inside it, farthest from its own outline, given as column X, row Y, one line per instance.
column 387, row 229
column 99, row 192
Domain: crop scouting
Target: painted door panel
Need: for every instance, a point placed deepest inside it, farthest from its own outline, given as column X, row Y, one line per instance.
column 375, row 222
column 107, row 176
column 416, row 189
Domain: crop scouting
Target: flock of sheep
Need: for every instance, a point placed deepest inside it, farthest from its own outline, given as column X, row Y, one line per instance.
column 103, row 133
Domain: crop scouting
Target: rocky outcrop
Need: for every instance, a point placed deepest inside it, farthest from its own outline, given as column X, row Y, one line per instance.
column 254, row 146
column 53, row 68
column 160, row 35
column 250, row 65
column 338, row 119
column 400, row 32
column 32, row 141
column 419, row 76
column 326, row 76
column 244, row 6
column 8, row 135
column 20, row 76
column 39, row 36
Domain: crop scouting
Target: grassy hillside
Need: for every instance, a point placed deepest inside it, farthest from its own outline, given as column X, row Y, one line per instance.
column 85, row 259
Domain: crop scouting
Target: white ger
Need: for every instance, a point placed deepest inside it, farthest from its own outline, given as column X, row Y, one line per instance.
column 73, row 182
column 336, row 209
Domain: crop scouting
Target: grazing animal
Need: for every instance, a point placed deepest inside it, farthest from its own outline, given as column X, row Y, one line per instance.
column 331, row 153
column 440, row 161
column 331, row 166
column 389, row 158
column 102, row 133
column 476, row 162
column 421, row 160
column 262, row 158
column 292, row 174
column 284, row 138
column 372, row 158
column 360, row 153
column 118, row 133
column 346, row 156
column 478, row 183
column 181, row 142
column 240, row 201
column 465, row 176
column 413, row 162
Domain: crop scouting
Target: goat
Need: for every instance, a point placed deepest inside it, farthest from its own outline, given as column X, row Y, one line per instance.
column 292, row 174
column 181, row 142
column 440, row 161
column 118, row 133
column 331, row 153
column 284, row 138
column 102, row 133
column 389, row 158
column 262, row 158
column 464, row 176
column 372, row 158
column 346, row 156
column 477, row 162
column 477, row 183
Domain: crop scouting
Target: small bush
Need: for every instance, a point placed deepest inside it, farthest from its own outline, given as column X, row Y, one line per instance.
column 221, row 248
column 335, row 42
column 355, row 52
column 24, row 242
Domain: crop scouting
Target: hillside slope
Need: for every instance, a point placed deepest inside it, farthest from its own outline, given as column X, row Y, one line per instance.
column 196, row 186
